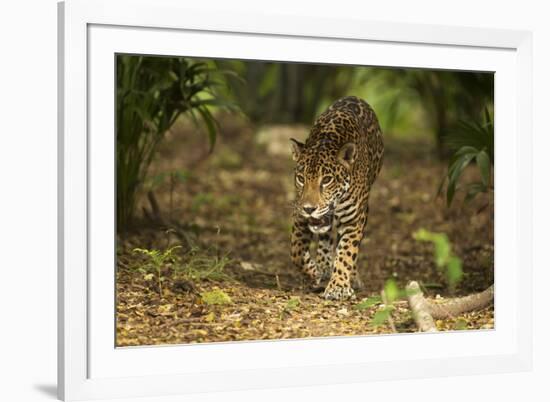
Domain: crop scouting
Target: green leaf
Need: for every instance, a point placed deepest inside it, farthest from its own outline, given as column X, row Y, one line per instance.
column 458, row 167
column 391, row 291
column 367, row 303
column 451, row 188
column 467, row 136
column 381, row 316
column 442, row 249
column 455, row 171
column 423, row 235
column 465, row 150
column 454, row 270
column 465, row 133
column 443, row 255
column 442, row 246
column 484, row 164
column 209, row 121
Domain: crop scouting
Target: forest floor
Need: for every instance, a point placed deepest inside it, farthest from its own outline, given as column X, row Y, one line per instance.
column 231, row 278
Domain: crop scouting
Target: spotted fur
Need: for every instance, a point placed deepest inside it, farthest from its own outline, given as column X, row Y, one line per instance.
column 334, row 172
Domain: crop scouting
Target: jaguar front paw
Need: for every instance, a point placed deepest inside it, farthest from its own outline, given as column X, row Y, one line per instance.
column 339, row 292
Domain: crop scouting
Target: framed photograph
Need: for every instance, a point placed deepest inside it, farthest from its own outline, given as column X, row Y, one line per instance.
column 254, row 201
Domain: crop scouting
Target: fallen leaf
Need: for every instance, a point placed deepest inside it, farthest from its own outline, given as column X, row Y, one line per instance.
column 343, row 311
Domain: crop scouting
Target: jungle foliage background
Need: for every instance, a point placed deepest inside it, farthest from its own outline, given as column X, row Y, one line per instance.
column 205, row 185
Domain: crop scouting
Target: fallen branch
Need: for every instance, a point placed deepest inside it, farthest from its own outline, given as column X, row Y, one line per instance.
column 420, row 308
column 424, row 311
column 460, row 305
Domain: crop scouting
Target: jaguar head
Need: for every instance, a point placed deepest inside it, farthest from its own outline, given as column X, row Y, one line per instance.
column 322, row 177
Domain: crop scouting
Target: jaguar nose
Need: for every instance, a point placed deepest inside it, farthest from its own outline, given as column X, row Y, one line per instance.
column 308, row 209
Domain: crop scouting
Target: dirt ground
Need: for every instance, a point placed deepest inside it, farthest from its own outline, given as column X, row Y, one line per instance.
column 228, row 215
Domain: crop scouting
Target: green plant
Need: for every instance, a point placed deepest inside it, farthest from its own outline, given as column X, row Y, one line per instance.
column 156, row 259
column 152, row 92
column 216, row 297
column 368, row 302
column 387, row 298
column 198, row 264
column 390, row 294
column 471, row 141
column 444, row 257
column 292, row 304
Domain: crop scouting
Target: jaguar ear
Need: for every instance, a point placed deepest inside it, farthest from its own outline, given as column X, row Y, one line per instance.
column 346, row 154
column 297, row 148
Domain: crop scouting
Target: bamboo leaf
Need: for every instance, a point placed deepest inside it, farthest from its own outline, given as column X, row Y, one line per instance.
column 484, row 164
column 209, row 121
column 473, row 190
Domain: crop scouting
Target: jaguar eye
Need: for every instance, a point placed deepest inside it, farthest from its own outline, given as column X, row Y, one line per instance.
column 326, row 180
column 299, row 179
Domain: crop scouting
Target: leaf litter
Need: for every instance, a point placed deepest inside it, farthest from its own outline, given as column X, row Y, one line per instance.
column 236, row 282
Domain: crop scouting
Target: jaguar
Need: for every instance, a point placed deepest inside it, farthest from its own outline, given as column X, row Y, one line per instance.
column 334, row 171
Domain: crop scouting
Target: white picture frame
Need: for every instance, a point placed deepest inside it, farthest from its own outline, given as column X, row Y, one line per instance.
column 92, row 32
